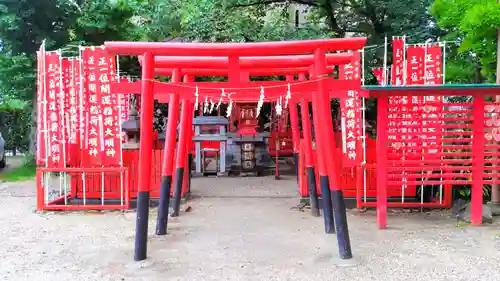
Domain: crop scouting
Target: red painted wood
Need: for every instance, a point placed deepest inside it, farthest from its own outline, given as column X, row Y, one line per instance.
column 224, row 72
column 248, row 63
column 244, row 91
column 382, row 163
column 277, row 48
column 478, row 141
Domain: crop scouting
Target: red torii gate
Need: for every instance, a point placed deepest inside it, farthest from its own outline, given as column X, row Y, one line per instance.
column 339, row 59
column 246, row 91
column 335, row 59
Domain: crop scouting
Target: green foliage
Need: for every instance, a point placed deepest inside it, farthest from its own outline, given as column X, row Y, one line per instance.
column 25, row 23
column 102, row 20
column 17, row 76
column 475, row 23
column 15, row 127
column 68, row 23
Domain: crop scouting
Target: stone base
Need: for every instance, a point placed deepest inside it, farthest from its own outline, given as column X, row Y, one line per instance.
column 495, row 208
column 462, row 210
column 335, row 260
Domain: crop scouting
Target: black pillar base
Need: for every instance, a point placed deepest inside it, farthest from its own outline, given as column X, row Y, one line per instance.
column 296, row 162
column 341, row 225
column 162, row 221
column 179, row 176
column 141, row 228
column 313, row 194
column 190, row 170
column 327, row 204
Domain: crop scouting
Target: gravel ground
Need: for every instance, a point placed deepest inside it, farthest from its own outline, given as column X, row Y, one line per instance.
column 238, row 229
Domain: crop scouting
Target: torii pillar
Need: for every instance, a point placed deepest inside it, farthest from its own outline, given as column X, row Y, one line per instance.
column 308, row 155
column 294, row 122
column 168, row 158
column 327, row 148
column 145, row 155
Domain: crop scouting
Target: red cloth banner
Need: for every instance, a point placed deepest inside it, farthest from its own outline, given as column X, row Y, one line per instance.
column 415, row 65
column 73, row 91
column 138, row 104
column 72, row 111
column 432, row 109
column 415, row 69
column 92, row 108
column 397, row 105
column 65, row 87
column 351, row 115
column 398, row 50
column 378, row 72
column 124, row 102
column 102, row 136
column 41, row 101
column 54, row 109
column 433, row 65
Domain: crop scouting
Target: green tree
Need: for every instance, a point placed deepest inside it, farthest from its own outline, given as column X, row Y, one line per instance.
column 14, row 124
column 60, row 23
column 474, row 24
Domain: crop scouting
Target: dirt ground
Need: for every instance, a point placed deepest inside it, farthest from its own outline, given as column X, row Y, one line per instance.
column 238, row 229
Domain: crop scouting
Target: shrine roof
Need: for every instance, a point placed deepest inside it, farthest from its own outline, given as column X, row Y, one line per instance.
column 276, row 48
column 433, row 90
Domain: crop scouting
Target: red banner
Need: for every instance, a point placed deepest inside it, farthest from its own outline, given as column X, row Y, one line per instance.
column 378, row 72
column 416, row 76
column 124, row 102
column 138, row 104
column 54, row 109
column 41, row 100
column 397, row 105
column 432, row 105
column 351, row 115
column 398, row 50
column 102, row 137
column 433, row 65
column 73, row 91
column 66, row 66
column 415, row 65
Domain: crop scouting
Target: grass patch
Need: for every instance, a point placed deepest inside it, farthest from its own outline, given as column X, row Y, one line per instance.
column 26, row 172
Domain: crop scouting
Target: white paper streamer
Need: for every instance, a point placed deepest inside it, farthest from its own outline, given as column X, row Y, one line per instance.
column 288, row 96
column 261, row 101
column 196, row 101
